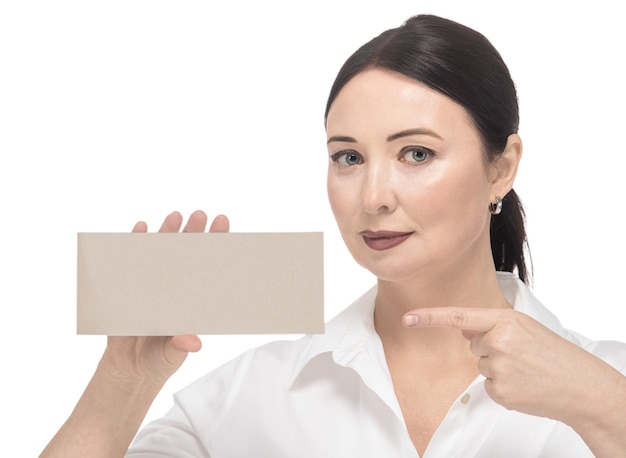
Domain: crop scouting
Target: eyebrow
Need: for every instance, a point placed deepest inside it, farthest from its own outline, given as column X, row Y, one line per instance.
column 392, row 137
column 341, row 138
column 409, row 132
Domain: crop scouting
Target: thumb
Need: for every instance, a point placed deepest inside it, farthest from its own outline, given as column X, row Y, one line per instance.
column 469, row 334
column 175, row 349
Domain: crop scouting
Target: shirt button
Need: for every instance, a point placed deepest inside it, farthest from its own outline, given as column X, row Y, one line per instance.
column 465, row 399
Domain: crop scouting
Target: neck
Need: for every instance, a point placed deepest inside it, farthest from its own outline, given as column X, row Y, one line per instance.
column 467, row 287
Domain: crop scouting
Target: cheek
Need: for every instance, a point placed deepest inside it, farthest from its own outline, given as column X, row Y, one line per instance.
column 456, row 196
column 340, row 197
column 468, row 204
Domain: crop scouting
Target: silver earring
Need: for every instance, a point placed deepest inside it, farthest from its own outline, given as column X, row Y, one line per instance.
column 496, row 207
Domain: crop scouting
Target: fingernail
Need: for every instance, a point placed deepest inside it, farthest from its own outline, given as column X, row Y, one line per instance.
column 411, row 320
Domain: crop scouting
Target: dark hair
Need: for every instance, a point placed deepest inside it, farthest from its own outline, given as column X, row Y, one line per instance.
column 463, row 65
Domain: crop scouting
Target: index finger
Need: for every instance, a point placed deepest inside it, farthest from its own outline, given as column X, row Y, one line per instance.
column 472, row 319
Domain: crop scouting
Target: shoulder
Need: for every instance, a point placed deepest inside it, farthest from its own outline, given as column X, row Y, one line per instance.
column 523, row 300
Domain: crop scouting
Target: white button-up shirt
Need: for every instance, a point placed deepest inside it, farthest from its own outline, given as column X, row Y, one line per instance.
column 331, row 395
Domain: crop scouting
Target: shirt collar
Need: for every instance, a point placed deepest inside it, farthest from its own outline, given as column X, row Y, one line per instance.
column 348, row 334
column 522, row 299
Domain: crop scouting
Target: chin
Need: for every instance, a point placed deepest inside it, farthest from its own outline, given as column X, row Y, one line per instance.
column 389, row 271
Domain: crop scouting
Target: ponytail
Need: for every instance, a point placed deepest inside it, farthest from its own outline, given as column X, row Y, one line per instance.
column 508, row 237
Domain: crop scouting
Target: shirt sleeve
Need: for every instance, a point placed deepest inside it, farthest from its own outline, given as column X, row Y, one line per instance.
column 169, row 436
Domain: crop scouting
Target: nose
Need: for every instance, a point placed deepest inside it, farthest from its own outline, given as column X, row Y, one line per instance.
column 377, row 194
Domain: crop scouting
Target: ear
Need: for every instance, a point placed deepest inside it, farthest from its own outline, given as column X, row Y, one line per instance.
column 504, row 169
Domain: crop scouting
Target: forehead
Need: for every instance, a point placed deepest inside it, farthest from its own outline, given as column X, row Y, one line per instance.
column 386, row 102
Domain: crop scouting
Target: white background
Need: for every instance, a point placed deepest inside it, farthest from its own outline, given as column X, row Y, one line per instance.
column 116, row 111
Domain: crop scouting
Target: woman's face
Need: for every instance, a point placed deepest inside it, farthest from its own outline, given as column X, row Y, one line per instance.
column 408, row 182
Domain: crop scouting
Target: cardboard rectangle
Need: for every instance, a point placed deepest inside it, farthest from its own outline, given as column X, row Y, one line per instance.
column 200, row 283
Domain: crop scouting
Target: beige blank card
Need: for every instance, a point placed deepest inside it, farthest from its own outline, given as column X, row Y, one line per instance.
column 200, row 283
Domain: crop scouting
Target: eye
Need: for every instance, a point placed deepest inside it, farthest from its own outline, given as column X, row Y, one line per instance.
column 416, row 154
column 347, row 158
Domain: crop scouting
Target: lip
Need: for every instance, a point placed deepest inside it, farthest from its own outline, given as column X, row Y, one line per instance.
column 384, row 240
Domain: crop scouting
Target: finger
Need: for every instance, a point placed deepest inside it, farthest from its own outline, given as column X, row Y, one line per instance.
column 197, row 222
column 484, row 367
column 172, row 222
column 473, row 319
column 220, row 224
column 478, row 343
column 140, row 227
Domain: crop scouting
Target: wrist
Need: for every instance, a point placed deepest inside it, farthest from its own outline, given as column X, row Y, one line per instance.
column 600, row 421
column 129, row 370
column 110, row 377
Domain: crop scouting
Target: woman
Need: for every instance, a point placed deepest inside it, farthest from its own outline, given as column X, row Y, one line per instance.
column 449, row 355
